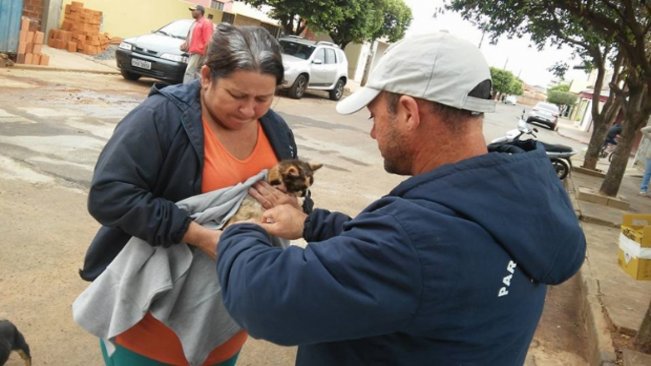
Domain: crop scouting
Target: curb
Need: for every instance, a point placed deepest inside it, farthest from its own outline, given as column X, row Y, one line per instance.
column 61, row 69
column 600, row 343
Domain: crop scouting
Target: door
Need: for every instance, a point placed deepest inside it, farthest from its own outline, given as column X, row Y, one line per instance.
column 324, row 70
column 10, row 13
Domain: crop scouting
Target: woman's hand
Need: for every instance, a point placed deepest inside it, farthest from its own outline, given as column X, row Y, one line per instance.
column 204, row 239
column 270, row 196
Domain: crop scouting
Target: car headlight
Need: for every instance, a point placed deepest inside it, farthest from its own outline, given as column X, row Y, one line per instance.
column 172, row 57
column 125, row 46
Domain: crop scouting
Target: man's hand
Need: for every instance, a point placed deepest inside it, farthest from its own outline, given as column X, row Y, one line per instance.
column 184, row 47
column 284, row 221
column 270, row 197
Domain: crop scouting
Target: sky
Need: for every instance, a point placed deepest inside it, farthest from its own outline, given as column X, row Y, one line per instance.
column 518, row 56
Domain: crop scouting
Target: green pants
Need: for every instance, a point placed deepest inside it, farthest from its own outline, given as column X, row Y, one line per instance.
column 124, row 357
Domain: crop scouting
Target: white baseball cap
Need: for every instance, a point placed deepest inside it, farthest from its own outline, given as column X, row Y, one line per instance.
column 437, row 67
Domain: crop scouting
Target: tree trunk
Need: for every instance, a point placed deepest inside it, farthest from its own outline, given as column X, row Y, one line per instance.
column 637, row 109
column 643, row 338
column 601, row 120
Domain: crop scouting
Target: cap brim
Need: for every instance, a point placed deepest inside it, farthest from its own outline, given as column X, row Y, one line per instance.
column 358, row 100
column 192, row 9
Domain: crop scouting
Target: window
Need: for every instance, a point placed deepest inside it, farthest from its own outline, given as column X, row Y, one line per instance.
column 217, row 5
column 330, row 57
column 228, row 17
column 320, row 55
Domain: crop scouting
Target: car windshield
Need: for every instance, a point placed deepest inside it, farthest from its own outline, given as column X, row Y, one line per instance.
column 295, row 49
column 547, row 107
column 177, row 29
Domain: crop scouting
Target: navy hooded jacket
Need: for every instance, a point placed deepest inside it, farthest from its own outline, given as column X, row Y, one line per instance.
column 449, row 268
column 153, row 159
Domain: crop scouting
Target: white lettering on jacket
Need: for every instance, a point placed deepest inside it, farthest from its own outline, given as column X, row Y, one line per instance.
column 504, row 290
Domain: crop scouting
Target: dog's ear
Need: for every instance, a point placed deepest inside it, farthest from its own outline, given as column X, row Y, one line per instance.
column 314, row 166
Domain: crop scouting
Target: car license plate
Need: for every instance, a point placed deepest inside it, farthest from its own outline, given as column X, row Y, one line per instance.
column 141, row 63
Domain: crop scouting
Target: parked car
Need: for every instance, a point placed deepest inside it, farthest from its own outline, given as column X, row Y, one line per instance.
column 156, row 55
column 545, row 114
column 313, row 65
column 511, row 99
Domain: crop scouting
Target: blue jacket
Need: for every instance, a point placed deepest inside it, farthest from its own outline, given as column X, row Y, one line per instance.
column 449, row 268
column 153, row 159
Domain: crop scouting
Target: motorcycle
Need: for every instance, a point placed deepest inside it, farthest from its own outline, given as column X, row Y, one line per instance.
column 559, row 155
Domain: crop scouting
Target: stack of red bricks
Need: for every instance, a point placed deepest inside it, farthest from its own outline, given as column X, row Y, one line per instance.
column 79, row 31
column 29, row 46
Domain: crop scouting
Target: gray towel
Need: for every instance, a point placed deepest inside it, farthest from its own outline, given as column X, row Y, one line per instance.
column 178, row 285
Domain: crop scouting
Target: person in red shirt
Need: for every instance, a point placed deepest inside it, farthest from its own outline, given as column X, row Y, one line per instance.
column 196, row 42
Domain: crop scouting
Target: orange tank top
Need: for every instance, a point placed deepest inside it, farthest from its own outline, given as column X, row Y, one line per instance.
column 150, row 337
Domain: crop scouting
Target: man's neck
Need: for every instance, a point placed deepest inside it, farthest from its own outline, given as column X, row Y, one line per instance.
column 431, row 154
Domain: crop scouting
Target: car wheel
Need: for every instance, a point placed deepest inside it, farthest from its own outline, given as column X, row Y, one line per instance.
column 562, row 168
column 338, row 91
column 298, row 88
column 129, row 75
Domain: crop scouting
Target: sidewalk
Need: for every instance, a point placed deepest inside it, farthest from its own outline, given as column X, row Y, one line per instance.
column 62, row 60
column 613, row 300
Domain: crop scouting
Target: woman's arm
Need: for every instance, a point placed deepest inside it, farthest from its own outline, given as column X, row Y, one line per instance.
column 127, row 174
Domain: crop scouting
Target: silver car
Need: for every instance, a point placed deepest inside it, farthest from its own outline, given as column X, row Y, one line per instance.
column 313, row 65
column 544, row 113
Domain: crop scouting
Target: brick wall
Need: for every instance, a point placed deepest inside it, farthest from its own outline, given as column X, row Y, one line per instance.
column 33, row 9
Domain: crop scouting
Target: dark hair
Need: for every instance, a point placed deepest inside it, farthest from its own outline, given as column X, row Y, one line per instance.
column 244, row 48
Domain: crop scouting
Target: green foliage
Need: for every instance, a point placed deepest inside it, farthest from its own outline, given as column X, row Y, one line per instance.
column 560, row 88
column 292, row 14
column 516, row 87
column 505, row 83
column 561, row 97
column 344, row 21
column 559, row 69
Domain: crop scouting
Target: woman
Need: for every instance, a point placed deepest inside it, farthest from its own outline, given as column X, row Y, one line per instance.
column 182, row 141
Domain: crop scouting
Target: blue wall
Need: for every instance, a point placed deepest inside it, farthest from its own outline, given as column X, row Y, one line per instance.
column 10, row 13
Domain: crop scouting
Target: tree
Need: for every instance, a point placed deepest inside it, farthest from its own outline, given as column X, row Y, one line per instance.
column 505, row 83
column 397, row 17
column 560, row 94
column 292, row 14
column 516, row 87
column 344, row 21
column 364, row 20
column 596, row 27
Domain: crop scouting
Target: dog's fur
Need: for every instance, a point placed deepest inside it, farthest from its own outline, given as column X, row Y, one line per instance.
column 12, row 340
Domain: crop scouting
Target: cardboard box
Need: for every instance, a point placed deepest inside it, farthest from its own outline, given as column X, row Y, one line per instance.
column 634, row 252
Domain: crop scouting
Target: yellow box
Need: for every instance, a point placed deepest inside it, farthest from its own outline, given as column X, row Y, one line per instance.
column 637, row 227
column 633, row 258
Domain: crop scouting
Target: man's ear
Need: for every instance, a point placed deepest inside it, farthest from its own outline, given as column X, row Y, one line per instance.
column 409, row 106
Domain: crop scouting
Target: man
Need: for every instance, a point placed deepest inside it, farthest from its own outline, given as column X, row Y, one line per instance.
column 196, row 42
column 450, row 267
column 613, row 133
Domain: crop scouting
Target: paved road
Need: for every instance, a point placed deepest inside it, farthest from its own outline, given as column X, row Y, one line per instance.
column 52, row 127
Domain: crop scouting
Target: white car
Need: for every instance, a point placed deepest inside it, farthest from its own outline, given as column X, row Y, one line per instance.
column 313, row 65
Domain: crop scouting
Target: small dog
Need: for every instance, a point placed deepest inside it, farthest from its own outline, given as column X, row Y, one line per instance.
column 12, row 340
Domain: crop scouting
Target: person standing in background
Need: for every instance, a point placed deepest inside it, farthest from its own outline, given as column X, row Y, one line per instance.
column 644, row 186
column 196, row 43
